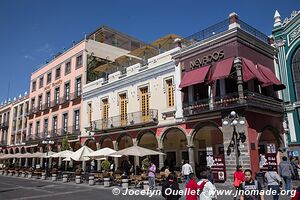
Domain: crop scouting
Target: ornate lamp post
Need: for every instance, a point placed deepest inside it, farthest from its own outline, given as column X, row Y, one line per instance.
column 233, row 119
column 48, row 142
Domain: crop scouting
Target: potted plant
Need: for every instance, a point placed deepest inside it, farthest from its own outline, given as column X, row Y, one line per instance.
column 106, row 176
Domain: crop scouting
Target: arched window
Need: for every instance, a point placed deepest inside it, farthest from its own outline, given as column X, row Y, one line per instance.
column 296, row 73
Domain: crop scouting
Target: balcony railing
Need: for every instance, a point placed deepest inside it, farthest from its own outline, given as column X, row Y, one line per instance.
column 75, row 95
column 232, row 100
column 131, row 119
column 55, row 103
column 65, row 99
column 57, row 134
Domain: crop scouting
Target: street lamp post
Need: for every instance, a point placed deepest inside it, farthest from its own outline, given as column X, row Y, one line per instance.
column 48, row 142
column 233, row 119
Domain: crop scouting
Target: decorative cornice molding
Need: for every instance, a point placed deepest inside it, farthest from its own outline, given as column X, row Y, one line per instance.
column 130, row 80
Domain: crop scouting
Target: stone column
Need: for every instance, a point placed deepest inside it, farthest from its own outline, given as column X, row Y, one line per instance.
column 136, row 158
column 191, row 156
column 178, row 98
column 230, row 160
column 238, row 67
column 116, row 160
column 26, row 162
column 160, row 157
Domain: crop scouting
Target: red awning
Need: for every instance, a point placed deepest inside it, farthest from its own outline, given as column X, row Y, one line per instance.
column 222, row 69
column 194, row 77
column 251, row 72
column 270, row 77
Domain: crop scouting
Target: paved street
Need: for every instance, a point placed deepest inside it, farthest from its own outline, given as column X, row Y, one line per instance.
column 17, row 188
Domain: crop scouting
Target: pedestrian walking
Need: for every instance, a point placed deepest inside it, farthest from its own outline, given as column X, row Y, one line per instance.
column 210, row 175
column 186, row 170
column 295, row 167
column 250, row 189
column 209, row 189
column 273, row 182
column 172, row 184
column 151, row 175
column 238, row 176
column 192, row 187
column 286, row 172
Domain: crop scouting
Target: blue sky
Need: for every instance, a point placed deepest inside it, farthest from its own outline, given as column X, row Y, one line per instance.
column 32, row 31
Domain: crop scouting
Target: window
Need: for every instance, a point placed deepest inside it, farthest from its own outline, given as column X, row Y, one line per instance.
column 40, row 102
column 48, row 99
column 56, row 100
column 21, row 109
column 41, row 84
column 65, row 123
column 105, row 107
column 37, row 128
column 145, row 104
column 46, row 125
column 89, row 108
column 68, row 68
column 49, row 76
column 67, row 92
column 170, row 93
column 33, row 86
column 30, row 130
column 78, row 87
column 123, row 109
column 32, row 104
column 76, row 119
column 79, row 61
column 57, row 73
column 54, row 125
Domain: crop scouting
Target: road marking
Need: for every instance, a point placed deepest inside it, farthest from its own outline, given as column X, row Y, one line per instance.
column 51, row 195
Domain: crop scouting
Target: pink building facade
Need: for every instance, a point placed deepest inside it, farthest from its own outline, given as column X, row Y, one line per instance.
column 55, row 96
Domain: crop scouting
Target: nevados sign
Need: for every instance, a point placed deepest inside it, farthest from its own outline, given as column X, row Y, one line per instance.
column 206, row 60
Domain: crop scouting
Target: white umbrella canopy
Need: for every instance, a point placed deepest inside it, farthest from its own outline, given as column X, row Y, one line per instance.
column 62, row 154
column 80, row 154
column 37, row 155
column 101, row 153
column 49, row 154
column 136, row 151
column 26, row 155
column 67, row 159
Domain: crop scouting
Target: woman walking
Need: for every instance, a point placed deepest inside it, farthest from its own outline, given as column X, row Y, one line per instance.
column 273, row 181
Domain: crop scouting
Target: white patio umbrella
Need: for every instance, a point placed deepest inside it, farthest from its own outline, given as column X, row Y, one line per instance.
column 26, row 155
column 136, row 151
column 80, row 154
column 101, row 153
column 49, row 154
column 37, row 155
column 62, row 154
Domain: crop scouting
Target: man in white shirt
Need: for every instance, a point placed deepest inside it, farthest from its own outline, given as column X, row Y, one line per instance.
column 186, row 170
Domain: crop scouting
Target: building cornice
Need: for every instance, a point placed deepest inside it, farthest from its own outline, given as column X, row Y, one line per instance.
column 129, row 80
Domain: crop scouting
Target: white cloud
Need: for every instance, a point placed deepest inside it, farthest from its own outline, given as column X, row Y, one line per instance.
column 28, row 57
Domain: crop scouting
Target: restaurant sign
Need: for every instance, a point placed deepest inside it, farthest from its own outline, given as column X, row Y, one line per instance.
column 208, row 59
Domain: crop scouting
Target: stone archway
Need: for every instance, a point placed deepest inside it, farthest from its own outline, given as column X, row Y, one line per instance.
column 91, row 144
column 174, row 143
column 124, row 141
column 269, row 142
column 147, row 139
column 106, row 142
column 208, row 143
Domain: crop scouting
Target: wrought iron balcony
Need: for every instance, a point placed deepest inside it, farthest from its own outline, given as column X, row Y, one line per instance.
column 231, row 101
column 75, row 95
column 141, row 118
column 65, row 99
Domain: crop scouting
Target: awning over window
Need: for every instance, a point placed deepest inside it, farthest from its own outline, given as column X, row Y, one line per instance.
column 222, row 69
column 270, row 78
column 251, row 72
column 194, row 77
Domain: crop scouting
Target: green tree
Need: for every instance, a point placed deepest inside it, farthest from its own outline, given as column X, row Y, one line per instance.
column 65, row 144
